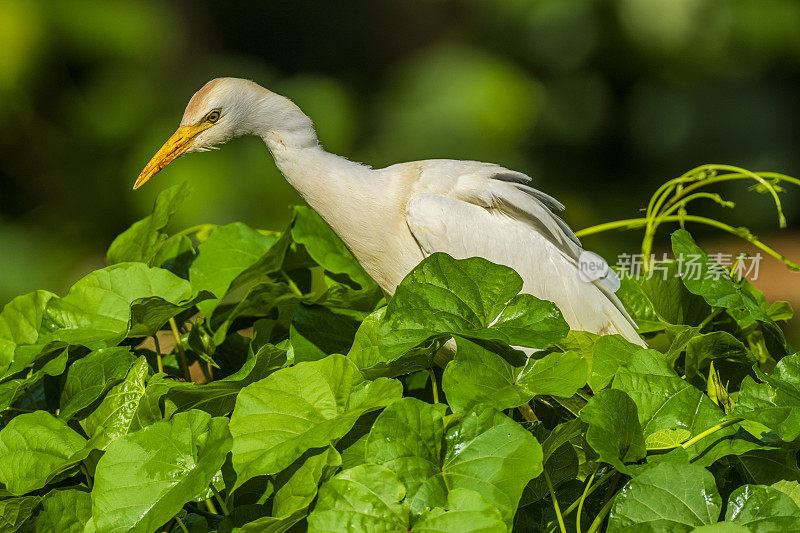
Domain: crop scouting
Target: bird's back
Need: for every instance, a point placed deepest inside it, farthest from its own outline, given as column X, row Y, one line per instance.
column 469, row 208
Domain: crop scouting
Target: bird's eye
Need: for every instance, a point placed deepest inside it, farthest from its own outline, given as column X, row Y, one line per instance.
column 212, row 116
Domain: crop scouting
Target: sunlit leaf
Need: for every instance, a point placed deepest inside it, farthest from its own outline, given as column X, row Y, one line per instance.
column 90, row 377
column 141, row 242
column 294, row 409
column 614, row 431
column 668, row 497
column 473, row 298
column 64, row 511
column 480, row 376
column 34, row 447
column 145, row 478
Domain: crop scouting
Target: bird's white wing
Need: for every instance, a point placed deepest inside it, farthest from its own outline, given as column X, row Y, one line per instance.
column 471, row 209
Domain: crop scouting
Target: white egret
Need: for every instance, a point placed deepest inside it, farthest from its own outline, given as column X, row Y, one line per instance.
column 392, row 218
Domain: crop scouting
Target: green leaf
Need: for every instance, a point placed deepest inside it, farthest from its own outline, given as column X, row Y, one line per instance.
column 679, row 336
column 556, row 374
column 15, row 511
column 775, row 403
column 668, row 497
column 466, row 511
column 143, row 239
column 227, row 253
column 667, row 439
column 262, row 300
column 294, row 409
column 296, row 486
column 367, row 355
column 702, row 276
column 703, row 349
column 52, row 361
column 64, row 511
column 92, row 376
column 146, row 477
column 477, row 375
column 365, row 498
column 561, row 467
column 176, row 254
column 563, row 433
column 767, row 466
column 318, row 331
column 117, row 413
column 672, row 302
column 780, row 311
column 148, row 315
column 790, row 488
column 669, row 402
column 219, row 396
column 761, row 509
column 97, row 310
column 408, row 438
column 721, row 527
column 325, row 247
column 473, row 298
column 486, row 452
column 35, row 447
column 610, row 353
column 614, row 431
column 19, row 324
column 638, row 305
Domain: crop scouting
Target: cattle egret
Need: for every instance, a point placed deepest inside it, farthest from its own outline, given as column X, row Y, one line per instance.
column 392, row 218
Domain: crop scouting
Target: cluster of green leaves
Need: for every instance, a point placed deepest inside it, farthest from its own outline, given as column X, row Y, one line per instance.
column 316, row 406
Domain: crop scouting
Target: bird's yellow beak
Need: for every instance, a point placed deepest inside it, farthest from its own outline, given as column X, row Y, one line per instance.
column 175, row 147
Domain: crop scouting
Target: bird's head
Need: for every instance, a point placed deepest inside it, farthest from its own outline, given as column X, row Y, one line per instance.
column 222, row 109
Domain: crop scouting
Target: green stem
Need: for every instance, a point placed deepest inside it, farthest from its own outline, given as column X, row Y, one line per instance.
column 634, row 223
column 560, row 518
column 195, row 509
column 652, row 221
column 710, row 317
column 671, row 207
column 197, row 229
column 762, row 181
column 292, row 284
column 676, row 193
column 159, row 362
column 577, row 502
column 528, row 413
column 582, row 499
column 180, row 523
column 598, row 520
column 628, row 223
column 181, row 352
column 210, row 506
column 221, row 502
column 660, row 196
column 206, row 373
column 697, row 438
column 738, row 176
column 434, row 385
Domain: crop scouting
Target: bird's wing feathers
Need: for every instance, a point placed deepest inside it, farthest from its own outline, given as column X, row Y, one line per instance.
column 471, row 209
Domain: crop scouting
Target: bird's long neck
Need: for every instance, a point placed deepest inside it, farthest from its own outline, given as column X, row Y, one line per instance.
column 341, row 191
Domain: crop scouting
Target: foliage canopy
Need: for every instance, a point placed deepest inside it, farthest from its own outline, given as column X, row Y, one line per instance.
column 321, row 407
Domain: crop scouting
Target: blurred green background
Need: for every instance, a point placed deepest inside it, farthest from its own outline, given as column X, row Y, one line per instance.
column 599, row 100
